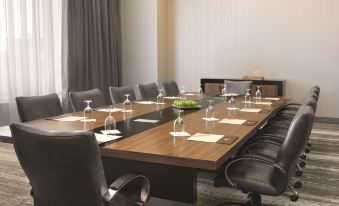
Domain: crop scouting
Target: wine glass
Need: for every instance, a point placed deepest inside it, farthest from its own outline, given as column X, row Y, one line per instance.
column 200, row 91
column 232, row 102
column 248, row 96
column 224, row 91
column 88, row 112
column 258, row 94
column 110, row 123
column 182, row 89
column 209, row 114
column 179, row 126
column 127, row 104
column 160, row 97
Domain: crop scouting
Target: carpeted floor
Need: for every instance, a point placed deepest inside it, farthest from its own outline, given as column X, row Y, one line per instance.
column 320, row 179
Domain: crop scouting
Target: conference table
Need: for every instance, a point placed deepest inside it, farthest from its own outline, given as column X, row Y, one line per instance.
column 171, row 163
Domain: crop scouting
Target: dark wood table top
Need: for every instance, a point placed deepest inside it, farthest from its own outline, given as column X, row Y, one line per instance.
column 153, row 142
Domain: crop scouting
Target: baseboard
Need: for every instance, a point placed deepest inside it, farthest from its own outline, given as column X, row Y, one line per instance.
column 327, row 120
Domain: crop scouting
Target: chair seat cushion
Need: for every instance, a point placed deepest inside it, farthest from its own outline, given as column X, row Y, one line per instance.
column 254, row 176
column 264, row 149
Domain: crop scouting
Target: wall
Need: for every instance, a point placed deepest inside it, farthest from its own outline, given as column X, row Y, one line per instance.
column 139, row 41
column 284, row 39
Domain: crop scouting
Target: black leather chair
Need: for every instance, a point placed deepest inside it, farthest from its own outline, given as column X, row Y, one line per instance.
column 118, row 94
column 238, row 87
column 66, row 169
column 170, row 88
column 38, row 107
column 259, row 174
column 77, row 99
column 148, row 91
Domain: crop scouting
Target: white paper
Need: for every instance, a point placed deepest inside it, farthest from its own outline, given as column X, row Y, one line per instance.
column 128, row 110
column 5, row 131
column 232, row 108
column 189, row 94
column 233, row 121
column 230, row 94
column 106, row 132
column 88, row 120
column 160, row 103
column 69, row 119
column 210, row 119
column 147, row 120
column 250, row 110
column 145, row 102
column 272, row 98
column 173, row 97
column 180, row 134
column 108, row 110
column 101, row 138
column 205, row 137
column 247, row 102
column 263, row 103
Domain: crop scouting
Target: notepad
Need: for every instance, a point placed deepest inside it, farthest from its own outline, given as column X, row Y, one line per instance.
column 128, row 110
column 145, row 102
column 88, row 120
column 247, row 102
column 147, row 120
column 173, row 97
column 180, row 134
column 5, row 131
column 250, row 110
column 263, row 103
column 272, row 98
column 205, row 137
column 102, row 138
column 210, row 119
column 69, row 119
column 189, row 94
column 232, row 108
column 230, row 94
column 160, row 103
column 113, row 131
column 233, row 121
column 108, row 110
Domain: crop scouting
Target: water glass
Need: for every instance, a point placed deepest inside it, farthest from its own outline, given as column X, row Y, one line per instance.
column 127, row 104
column 182, row 90
column 258, row 94
column 178, row 125
column 110, row 123
column 160, row 97
column 88, row 112
column 209, row 114
column 224, row 91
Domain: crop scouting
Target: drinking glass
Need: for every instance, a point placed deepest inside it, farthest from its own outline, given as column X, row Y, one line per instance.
column 179, row 126
column 127, row 104
column 258, row 94
column 232, row 111
column 248, row 96
column 110, row 123
column 160, row 97
column 88, row 112
column 232, row 102
column 210, row 110
column 182, row 89
column 200, row 91
column 224, row 91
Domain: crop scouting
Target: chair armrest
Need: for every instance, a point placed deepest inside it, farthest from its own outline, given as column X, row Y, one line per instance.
column 292, row 104
column 126, row 179
column 251, row 158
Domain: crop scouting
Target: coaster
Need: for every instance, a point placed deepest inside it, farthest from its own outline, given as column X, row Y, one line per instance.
column 227, row 140
column 250, row 123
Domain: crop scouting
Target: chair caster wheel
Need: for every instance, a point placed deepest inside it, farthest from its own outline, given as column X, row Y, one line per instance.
column 302, row 164
column 298, row 173
column 309, row 145
column 307, row 150
column 294, row 198
column 297, row 184
column 303, row 156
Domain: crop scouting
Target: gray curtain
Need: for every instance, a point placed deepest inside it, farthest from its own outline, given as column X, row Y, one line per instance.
column 94, row 56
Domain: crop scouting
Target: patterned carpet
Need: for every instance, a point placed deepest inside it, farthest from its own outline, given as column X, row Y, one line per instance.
column 320, row 179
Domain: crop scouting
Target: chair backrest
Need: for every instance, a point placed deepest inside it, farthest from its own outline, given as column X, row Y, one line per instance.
column 296, row 138
column 148, row 91
column 311, row 101
column 118, row 94
column 38, row 107
column 63, row 168
column 77, row 99
column 170, row 88
column 238, row 87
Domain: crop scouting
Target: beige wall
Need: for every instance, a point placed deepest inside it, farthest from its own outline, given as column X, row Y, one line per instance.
column 139, row 41
column 296, row 40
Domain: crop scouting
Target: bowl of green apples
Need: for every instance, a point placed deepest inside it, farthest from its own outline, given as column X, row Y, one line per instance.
column 185, row 104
